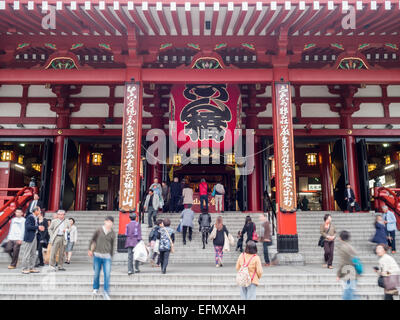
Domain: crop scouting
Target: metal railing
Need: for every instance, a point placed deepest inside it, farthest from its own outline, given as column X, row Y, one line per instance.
column 8, row 209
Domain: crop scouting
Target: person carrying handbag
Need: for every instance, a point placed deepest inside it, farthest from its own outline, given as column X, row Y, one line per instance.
column 167, row 238
column 388, row 272
column 250, row 229
column 154, row 244
column 133, row 234
column 217, row 234
column 328, row 234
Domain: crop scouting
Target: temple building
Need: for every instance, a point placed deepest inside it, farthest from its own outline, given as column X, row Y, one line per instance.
column 316, row 84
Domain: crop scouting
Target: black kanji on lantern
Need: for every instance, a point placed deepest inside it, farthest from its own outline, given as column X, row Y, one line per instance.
column 207, row 116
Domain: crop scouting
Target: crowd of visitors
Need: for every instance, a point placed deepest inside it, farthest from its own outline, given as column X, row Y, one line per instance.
column 36, row 241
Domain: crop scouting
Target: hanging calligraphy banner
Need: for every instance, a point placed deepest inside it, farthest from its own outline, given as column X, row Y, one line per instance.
column 130, row 149
column 284, row 158
column 205, row 114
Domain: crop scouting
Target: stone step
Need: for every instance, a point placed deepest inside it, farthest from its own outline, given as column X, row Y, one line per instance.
column 77, row 287
column 292, row 295
column 149, row 275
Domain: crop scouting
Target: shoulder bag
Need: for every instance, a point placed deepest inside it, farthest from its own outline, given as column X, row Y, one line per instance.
column 322, row 239
column 392, row 282
column 170, row 240
column 213, row 234
column 255, row 235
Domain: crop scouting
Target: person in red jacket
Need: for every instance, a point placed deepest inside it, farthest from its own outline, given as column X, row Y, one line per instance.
column 203, row 194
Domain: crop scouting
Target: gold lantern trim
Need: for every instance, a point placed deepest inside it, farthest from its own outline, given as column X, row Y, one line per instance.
column 97, row 158
column 7, row 155
column 37, row 167
column 311, row 159
column 177, row 160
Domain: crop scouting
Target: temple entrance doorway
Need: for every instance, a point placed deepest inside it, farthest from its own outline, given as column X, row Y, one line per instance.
column 213, row 174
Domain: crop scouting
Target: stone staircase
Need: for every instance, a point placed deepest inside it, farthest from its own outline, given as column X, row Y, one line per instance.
column 191, row 272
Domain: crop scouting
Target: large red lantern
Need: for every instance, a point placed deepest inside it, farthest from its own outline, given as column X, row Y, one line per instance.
column 205, row 115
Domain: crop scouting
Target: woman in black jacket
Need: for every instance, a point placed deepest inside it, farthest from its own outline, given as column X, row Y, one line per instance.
column 249, row 228
column 218, row 238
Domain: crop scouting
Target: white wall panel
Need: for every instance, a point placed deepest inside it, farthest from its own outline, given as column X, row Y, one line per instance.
column 118, row 110
column 40, row 126
column 265, row 126
column 393, row 91
column 10, row 91
column 370, row 126
column 394, row 109
column 372, row 110
column 94, row 91
column 267, row 113
column 317, row 110
column 119, row 91
column 40, row 91
column 92, row 110
column 84, row 126
column 369, row 91
column 10, row 109
column 113, row 126
column 315, row 91
column 39, row 110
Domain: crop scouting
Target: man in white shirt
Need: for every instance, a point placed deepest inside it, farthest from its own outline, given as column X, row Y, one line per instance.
column 15, row 237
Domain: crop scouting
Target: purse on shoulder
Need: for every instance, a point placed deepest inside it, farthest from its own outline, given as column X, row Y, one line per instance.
column 321, row 240
column 391, row 282
column 213, row 234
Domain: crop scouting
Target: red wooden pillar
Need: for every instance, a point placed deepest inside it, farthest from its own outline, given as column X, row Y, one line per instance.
column 254, row 193
column 130, row 158
column 56, row 175
column 82, row 177
column 285, row 178
column 326, row 178
column 352, row 166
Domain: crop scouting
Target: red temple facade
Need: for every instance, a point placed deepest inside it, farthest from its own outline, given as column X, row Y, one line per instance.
column 318, row 82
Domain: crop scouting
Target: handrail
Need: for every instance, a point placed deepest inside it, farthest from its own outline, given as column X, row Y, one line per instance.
column 5, row 217
column 395, row 196
column 12, row 189
column 20, row 193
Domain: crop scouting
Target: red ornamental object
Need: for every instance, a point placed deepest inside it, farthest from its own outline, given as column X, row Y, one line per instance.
column 205, row 115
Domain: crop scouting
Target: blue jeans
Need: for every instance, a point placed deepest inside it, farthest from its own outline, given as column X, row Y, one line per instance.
column 349, row 290
column 203, row 198
column 248, row 293
column 98, row 263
